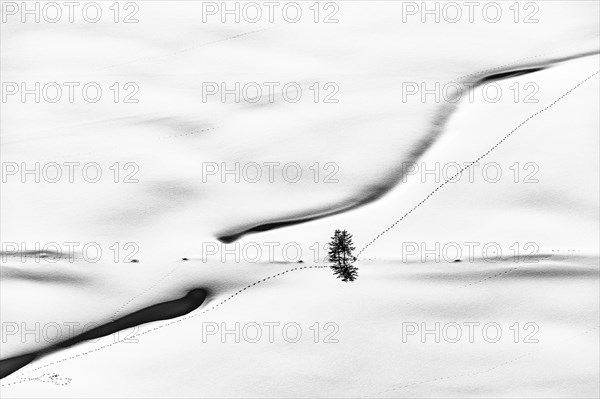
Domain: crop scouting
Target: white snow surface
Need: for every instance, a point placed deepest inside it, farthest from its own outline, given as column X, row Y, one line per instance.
column 170, row 213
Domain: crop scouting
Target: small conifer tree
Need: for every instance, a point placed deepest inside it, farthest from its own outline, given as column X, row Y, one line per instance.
column 340, row 255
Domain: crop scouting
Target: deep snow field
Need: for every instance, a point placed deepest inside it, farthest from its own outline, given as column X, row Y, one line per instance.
column 366, row 344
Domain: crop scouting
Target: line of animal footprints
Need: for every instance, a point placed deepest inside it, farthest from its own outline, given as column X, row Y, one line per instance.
column 51, row 378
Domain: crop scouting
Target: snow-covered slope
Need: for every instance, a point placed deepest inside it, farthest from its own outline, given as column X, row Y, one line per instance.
column 550, row 208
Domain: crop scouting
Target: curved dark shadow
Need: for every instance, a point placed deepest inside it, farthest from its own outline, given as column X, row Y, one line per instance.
column 162, row 311
column 56, row 276
column 398, row 173
column 508, row 74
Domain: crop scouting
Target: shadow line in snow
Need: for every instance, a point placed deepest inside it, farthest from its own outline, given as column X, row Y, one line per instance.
column 396, row 175
column 162, row 311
